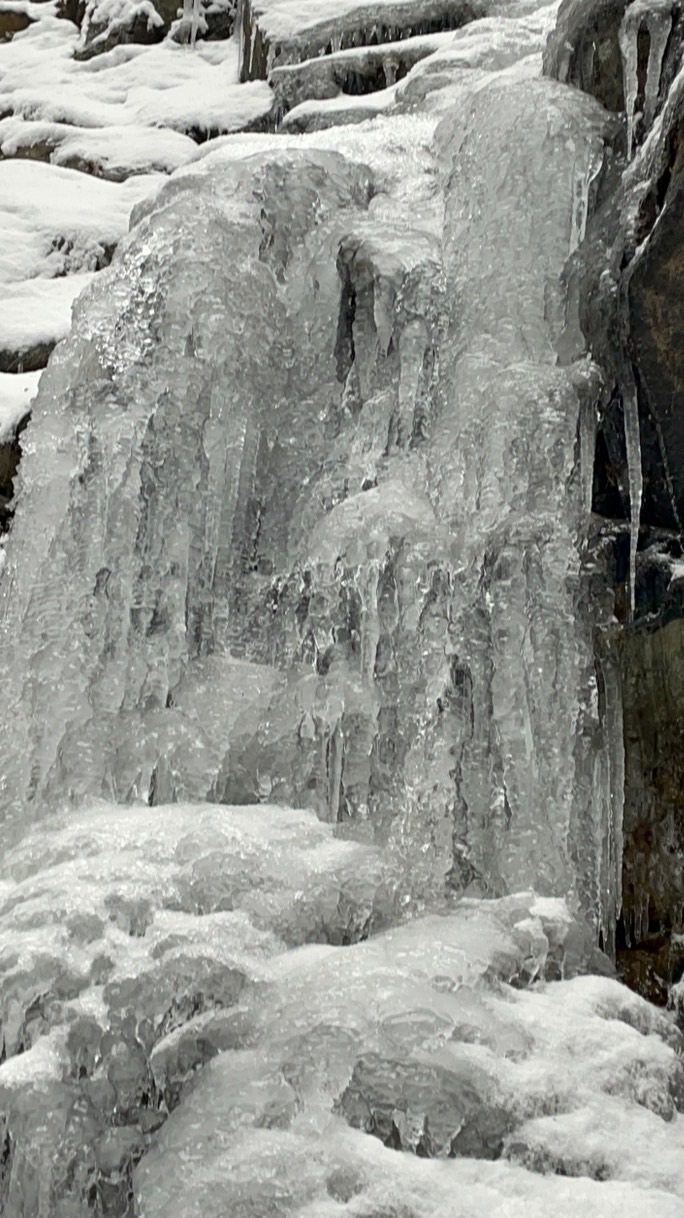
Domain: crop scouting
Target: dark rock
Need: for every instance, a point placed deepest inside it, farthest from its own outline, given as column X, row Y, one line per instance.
column 653, row 700
column 13, row 21
column 584, row 50
column 656, row 322
column 28, row 359
column 10, row 456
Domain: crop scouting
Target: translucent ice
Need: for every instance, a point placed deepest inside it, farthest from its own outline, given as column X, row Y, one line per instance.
column 655, row 17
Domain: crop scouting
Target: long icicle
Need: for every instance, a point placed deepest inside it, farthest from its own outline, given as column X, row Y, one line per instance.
column 634, row 471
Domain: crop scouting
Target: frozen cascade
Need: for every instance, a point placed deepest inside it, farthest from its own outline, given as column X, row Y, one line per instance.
column 437, row 480
column 654, row 16
column 300, row 677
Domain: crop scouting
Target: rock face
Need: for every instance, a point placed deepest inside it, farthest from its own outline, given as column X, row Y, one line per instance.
column 632, row 279
column 274, row 32
column 105, row 25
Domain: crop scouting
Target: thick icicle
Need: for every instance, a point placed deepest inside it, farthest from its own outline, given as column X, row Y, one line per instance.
column 586, row 176
column 611, row 888
column 656, row 17
column 636, row 481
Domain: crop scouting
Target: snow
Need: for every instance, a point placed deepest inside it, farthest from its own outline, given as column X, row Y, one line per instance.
column 342, row 108
column 60, row 222
column 17, row 391
column 38, row 311
column 112, row 152
column 163, row 85
column 281, row 19
column 258, row 899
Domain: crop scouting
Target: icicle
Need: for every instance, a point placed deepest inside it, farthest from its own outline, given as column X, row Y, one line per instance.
column 413, row 343
column 587, row 438
column 628, row 47
column 636, row 482
column 195, row 21
column 384, row 297
column 586, row 176
column 614, row 732
column 369, row 579
column 656, row 16
column 659, row 24
column 390, row 68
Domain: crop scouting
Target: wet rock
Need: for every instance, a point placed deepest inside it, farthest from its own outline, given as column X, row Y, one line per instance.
column 355, row 72
column 655, row 296
column 10, row 456
column 425, row 1109
column 26, row 359
column 584, row 49
column 653, row 873
column 144, row 23
column 265, row 44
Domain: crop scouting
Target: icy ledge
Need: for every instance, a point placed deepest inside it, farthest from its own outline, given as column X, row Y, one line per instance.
column 142, row 944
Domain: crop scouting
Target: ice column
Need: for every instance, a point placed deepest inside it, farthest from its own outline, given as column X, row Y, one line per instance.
column 655, row 16
column 636, row 481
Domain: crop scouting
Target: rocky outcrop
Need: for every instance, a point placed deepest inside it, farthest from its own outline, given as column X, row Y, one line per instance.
column 587, row 47
column 630, row 273
column 106, row 24
column 355, row 72
column 13, row 21
column 270, row 38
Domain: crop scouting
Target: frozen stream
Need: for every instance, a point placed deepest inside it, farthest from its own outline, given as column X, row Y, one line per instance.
column 311, row 786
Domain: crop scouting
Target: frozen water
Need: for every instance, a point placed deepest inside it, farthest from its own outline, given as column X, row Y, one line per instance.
column 408, row 567
column 633, row 444
column 654, row 16
column 197, row 982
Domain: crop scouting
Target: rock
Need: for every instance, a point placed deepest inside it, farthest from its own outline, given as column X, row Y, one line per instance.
column 142, row 22
column 26, row 359
column 10, row 456
column 584, row 49
column 653, row 872
column 588, row 47
column 655, row 302
column 13, row 21
column 428, row 1110
column 270, row 38
column 355, row 72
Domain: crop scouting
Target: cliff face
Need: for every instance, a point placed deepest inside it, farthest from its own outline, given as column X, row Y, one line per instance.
column 628, row 55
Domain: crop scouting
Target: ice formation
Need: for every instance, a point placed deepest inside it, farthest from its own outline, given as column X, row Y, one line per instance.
column 655, row 18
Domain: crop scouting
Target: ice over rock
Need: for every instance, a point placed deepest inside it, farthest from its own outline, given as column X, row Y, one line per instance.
column 401, row 582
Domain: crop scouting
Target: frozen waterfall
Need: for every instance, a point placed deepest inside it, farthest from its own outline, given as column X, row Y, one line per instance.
column 314, row 464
